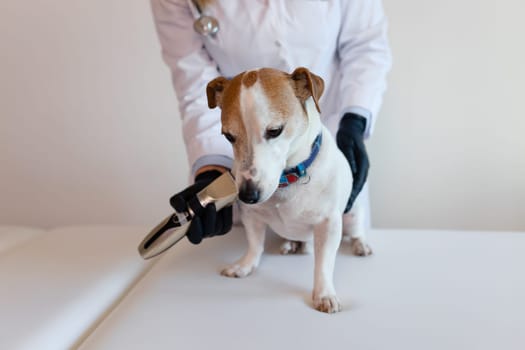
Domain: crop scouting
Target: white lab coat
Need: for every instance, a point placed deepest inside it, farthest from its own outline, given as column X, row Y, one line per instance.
column 343, row 41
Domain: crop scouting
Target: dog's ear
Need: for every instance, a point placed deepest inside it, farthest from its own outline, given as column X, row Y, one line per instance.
column 307, row 84
column 214, row 91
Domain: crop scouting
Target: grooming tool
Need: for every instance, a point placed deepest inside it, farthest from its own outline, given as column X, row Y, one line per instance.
column 222, row 192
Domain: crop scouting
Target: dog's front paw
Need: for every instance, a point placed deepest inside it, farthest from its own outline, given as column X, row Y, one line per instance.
column 237, row 270
column 328, row 303
column 360, row 247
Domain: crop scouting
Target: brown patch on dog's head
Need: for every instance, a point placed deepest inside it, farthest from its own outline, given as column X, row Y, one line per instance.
column 307, row 84
column 278, row 91
column 249, row 78
column 279, row 88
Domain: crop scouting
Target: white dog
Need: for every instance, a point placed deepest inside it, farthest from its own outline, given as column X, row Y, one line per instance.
column 290, row 174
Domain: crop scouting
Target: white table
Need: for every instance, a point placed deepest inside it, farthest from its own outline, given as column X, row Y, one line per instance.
column 420, row 290
column 57, row 285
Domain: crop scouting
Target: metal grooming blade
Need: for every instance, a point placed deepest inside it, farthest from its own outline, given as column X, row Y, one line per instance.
column 222, row 191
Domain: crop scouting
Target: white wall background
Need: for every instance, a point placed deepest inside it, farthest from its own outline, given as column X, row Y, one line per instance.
column 89, row 131
column 449, row 150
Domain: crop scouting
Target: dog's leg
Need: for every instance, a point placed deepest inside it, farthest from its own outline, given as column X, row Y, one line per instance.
column 255, row 233
column 354, row 229
column 327, row 237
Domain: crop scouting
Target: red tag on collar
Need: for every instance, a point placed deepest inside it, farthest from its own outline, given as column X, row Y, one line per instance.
column 290, row 179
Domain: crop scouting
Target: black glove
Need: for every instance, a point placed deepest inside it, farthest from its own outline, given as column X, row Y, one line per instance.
column 350, row 141
column 207, row 221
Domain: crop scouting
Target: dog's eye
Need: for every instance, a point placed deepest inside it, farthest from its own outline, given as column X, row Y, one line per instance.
column 229, row 137
column 273, row 132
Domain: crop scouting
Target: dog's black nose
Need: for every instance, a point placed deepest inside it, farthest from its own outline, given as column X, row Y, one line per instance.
column 249, row 193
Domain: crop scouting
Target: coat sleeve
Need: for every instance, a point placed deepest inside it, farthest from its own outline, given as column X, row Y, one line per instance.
column 191, row 69
column 365, row 58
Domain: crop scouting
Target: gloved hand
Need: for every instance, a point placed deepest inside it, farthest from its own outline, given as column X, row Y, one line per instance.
column 207, row 221
column 350, row 141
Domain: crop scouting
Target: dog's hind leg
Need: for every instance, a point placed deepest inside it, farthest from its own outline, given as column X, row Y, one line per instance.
column 296, row 247
column 355, row 229
column 255, row 233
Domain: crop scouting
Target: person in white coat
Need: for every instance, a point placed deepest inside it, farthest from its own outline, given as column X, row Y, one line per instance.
column 343, row 41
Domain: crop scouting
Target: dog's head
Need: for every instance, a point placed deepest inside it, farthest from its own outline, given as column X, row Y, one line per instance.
column 264, row 114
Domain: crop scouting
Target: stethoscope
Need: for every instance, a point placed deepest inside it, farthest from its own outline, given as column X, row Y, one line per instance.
column 205, row 25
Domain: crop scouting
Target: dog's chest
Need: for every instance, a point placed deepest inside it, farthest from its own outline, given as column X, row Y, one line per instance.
column 291, row 215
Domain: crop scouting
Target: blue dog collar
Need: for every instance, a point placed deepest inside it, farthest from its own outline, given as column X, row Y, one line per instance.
column 291, row 175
